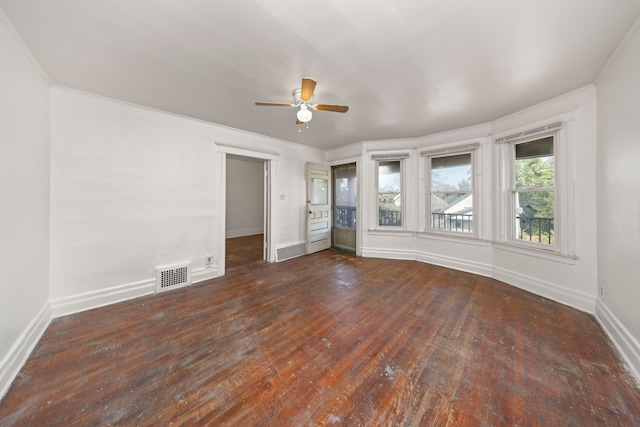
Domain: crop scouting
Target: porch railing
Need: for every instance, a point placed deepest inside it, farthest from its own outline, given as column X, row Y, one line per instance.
column 535, row 229
column 389, row 218
column 452, row 222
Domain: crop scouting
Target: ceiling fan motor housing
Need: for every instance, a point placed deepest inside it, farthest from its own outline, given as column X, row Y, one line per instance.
column 296, row 95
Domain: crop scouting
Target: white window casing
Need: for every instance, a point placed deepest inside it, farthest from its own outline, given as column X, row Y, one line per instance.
column 561, row 129
column 376, row 158
column 454, row 150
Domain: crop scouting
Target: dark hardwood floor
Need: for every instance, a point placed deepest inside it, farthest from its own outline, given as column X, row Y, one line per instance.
column 327, row 339
column 244, row 251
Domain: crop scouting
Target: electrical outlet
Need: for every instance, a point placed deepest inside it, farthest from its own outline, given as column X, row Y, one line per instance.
column 208, row 260
column 603, row 293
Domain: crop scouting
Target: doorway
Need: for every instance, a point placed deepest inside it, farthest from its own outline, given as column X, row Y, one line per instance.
column 246, row 226
column 344, row 207
column 269, row 163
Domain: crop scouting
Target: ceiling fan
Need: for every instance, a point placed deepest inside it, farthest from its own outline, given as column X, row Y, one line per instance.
column 302, row 98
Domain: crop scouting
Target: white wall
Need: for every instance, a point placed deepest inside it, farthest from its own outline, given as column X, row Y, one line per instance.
column 132, row 188
column 618, row 170
column 24, row 204
column 245, row 197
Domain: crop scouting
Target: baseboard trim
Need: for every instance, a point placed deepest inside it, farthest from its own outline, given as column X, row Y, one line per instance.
column 627, row 345
column 430, row 258
column 455, row 263
column 203, row 274
column 545, row 289
column 90, row 300
column 403, row 254
column 13, row 362
column 246, row 232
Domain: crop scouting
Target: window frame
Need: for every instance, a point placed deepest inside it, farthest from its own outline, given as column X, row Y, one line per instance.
column 428, row 155
column 335, row 197
column 515, row 190
column 401, row 158
column 561, row 129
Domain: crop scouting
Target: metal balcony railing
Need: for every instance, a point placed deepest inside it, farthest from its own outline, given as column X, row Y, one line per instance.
column 452, row 222
column 535, row 229
column 345, row 217
column 389, row 218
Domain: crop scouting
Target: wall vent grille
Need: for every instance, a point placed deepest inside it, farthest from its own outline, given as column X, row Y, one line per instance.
column 291, row 251
column 172, row 276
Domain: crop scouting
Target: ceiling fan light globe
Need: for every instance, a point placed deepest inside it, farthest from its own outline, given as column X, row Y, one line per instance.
column 304, row 115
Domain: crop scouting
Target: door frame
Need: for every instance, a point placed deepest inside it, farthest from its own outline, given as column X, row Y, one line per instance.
column 270, row 160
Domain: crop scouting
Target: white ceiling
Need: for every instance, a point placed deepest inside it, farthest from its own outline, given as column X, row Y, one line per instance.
column 406, row 68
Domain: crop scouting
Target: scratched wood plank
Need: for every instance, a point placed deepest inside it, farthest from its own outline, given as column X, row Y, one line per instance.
column 328, row 339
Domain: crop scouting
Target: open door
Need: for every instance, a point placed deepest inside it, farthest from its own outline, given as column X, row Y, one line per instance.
column 318, row 207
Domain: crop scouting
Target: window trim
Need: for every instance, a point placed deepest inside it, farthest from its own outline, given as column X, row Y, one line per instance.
column 352, row 165
column 473, row 150
column 561, row 128
column 395, row 156
column 512, row 238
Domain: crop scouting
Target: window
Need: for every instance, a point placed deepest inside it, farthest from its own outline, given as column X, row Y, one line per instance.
column 536, row 181
column 533, row 191
column 450, row 199
column 345, row 194
column 389, row 193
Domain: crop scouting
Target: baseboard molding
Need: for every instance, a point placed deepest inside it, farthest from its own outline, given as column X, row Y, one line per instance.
column 455, row 263
column 430, row 258
column 246, row 232
column 19, row 353
column 203, row 274
column 403, row 254
column 546, row 289
column 89, row 300
column 627, row 345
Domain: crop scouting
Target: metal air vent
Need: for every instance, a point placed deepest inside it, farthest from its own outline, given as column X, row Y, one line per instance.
column 172, row 276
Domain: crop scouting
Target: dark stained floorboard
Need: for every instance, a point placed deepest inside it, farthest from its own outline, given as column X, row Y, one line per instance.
column 326, row 339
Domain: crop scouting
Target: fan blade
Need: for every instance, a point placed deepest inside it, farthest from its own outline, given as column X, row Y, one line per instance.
column 334, row 108
column 274, row 104
column 298, row 122
column 308, row 85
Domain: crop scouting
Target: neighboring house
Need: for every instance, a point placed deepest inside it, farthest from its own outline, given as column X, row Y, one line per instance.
column 457, row 215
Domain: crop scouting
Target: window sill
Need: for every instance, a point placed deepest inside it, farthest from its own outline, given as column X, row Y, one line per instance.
column 548, row 255
column 455, row 238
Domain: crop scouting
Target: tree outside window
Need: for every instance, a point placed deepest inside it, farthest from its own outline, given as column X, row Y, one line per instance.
column 534, row 192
